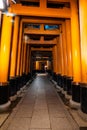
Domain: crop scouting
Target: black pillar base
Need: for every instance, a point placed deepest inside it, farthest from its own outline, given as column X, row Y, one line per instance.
column 54, row 76
column 13, row 86
column 61, row 81
column 4, row 93
column 69, row 85
column 83, row 97
column 17, row 82
column 29, row 77
column 24, row 79
column 76, row 92
column 58, row 79
column 64, row 80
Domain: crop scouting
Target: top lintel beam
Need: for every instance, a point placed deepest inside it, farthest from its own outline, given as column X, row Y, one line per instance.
column 18, row 9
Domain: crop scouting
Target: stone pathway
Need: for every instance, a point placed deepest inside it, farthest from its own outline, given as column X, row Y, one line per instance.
column 40, row 109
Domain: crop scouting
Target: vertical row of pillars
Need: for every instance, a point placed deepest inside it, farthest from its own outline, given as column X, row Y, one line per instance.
column 71, row 71
column 83, row 46
column 14, row 61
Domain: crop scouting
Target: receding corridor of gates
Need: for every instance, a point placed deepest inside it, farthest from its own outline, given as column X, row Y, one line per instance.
column 38, row 37
column 40, row 109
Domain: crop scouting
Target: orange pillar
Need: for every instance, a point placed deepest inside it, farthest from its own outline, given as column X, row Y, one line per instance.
column 68, row 48
column 5, row 48
column 0, row 26
column 30, row 61
column 55, row 62
column 14, row 47
column 64, row 49
column 37, row 66
column 23, row 74
column 27, row 59
column 76, row 59
column 56, row 58
column 83, row 34
column 63, row 34
column 48, row 63
column 60, row 59
column 21, row 59
column 59, row 62
column 75, row 42
column 53, row 59
column 59, row 56
column 24, row 58
column 69, row 55
column 13, row 78
column 19, row 50
column 4, row 58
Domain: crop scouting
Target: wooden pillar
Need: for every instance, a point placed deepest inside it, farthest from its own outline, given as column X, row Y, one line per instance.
column 22, row 64
column 64, row 55
column 60, row 61
column 5, row 48
column 64, row 48
column 37, row 66
column 14, row 47
column 21, row 58
column 68, row 48
column 43, row 3
column 69, row 56
column 75, row 42
column 58, row 55
column 76, row 59
column 53, row 58
column 49, row 66
column 0, row 19
column 27, row 59
column 55, row 62
column 13, row 79
column 4, row 58
column 24, row 59
column 19, row 50
column 83, row 37
column 61, row 53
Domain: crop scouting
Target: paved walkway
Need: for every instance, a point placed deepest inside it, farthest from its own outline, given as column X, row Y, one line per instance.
column 40, row 109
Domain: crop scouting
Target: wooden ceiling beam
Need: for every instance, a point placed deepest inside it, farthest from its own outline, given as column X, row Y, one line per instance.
column 18, row 9
column 42, row 21
column 41, row 32
column 41, row 49
column 39, row 42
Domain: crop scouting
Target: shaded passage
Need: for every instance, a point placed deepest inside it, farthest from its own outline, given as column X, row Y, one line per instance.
column 40, row 109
